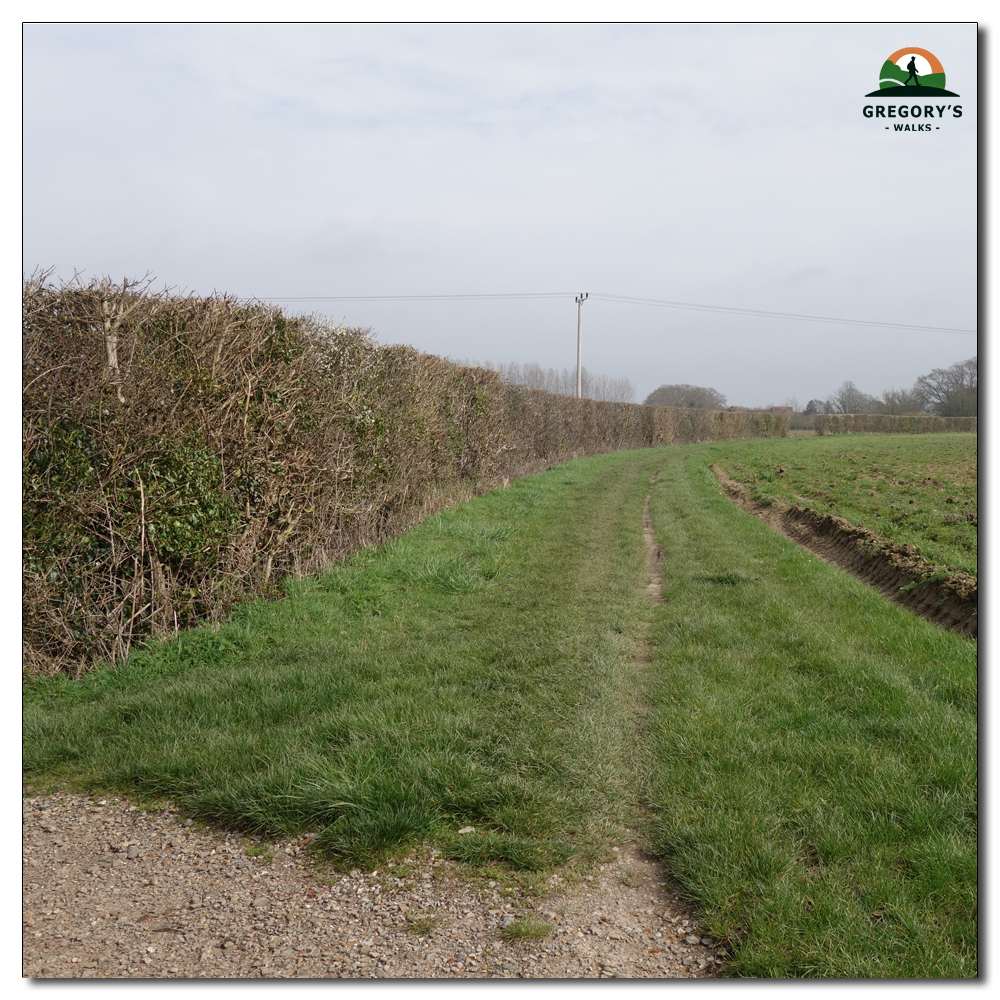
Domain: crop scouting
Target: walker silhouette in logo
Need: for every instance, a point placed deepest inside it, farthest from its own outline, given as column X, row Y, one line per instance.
column 912, row 73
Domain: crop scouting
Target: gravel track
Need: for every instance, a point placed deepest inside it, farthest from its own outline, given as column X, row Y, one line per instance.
column 112, row 891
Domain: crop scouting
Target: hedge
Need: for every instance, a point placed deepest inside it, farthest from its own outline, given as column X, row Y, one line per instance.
column 881, row 423
column 181, row 454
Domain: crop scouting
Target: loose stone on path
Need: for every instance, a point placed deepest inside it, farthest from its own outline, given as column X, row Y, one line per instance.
column 111, row 891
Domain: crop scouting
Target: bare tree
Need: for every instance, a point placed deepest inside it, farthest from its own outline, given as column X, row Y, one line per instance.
column 562, row 382
column 850, row 399
column 687, row 396
column 614, row 390
column 901, row 401
column 953, row 391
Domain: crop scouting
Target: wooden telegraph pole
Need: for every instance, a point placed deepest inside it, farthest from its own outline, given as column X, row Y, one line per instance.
column 580, row 299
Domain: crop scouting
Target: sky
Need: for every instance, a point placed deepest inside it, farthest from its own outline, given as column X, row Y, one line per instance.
column 722, row 164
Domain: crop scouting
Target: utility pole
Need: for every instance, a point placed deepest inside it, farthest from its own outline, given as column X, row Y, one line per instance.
column 580, row 299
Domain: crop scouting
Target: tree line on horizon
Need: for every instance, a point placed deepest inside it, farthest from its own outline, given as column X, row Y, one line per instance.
column 944, row 392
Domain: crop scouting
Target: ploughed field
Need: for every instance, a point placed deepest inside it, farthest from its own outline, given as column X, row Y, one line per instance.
column 919, row 490
column 799, row 752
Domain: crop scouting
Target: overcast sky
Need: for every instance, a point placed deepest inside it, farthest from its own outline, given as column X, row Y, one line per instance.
column 727, row 165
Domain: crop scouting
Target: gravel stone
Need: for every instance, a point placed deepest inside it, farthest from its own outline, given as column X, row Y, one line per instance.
column 114, row 892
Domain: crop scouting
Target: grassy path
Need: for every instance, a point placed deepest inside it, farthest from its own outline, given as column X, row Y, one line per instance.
column 475, row 672
column 804, row 750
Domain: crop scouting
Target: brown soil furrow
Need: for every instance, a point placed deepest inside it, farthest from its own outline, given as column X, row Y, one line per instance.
column 654, row 555
column 898, row 572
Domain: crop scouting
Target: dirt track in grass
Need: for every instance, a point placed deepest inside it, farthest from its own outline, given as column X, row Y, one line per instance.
column 896, row 571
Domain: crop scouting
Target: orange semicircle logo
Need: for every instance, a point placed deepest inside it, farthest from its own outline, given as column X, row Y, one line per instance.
column 936, row 66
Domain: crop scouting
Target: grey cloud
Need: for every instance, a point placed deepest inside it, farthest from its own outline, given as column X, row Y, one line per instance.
column 722, row 164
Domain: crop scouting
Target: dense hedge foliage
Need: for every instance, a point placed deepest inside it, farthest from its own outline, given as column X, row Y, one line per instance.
column 882, row 423
column 184, row 453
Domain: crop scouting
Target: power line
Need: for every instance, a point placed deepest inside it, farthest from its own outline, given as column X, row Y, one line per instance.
column 411, row 298
column 630, row 299
column 775, row 315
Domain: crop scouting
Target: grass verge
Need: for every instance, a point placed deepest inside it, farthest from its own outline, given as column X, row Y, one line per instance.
column 475, row 671
column 815, row 774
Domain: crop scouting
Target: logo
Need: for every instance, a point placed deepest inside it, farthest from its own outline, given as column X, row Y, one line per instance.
column 917, row 74
column 911, row 73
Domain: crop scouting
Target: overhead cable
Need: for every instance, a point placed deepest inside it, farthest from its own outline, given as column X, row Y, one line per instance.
column 412, row 298
column 630, row 299
column 771, row 314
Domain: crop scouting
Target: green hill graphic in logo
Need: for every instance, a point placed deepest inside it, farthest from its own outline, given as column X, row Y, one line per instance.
column 911, row 73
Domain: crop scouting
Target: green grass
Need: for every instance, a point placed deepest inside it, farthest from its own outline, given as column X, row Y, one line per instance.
column 805, row 752
column 424, row 924
column 475, row 671
column 815, row 779
column 919, row 490
column 526, row 930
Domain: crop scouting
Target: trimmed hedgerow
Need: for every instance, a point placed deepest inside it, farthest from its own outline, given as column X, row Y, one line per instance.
column 884, row 423
column 182, row 453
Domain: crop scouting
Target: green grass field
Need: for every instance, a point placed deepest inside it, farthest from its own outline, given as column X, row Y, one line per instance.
column 802, row 753
column 914, row 489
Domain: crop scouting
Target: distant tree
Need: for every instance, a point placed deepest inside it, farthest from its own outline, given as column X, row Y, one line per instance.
column 951, row 392
column 688, row 396
column 850, row 399
column 899, row 401
column 563, row 382
column 613, row 390
column 815, row 406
